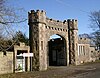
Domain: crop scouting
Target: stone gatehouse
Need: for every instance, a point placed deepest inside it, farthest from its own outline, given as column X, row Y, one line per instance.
column 41, row 28
column 44, row 51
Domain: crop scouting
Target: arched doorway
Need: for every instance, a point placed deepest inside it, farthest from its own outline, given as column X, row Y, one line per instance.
column 57, row 51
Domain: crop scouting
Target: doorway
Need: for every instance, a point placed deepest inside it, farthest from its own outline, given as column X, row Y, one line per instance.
column 57, row 52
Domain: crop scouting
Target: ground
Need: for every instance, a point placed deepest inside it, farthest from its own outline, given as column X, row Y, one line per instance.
column 90, row 70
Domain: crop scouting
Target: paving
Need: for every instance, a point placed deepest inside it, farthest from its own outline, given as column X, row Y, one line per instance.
column 91, row 70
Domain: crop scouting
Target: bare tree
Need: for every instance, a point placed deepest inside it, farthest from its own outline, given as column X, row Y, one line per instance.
column 85, row 35
column 95, row 25
column 95, row 20
column 95, row 36
column 10, row 17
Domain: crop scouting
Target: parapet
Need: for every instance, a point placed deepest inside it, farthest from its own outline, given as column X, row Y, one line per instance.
column 57, row 23
column 37, row 12
column 83, row 41
column 37, row 16
column 73, row 24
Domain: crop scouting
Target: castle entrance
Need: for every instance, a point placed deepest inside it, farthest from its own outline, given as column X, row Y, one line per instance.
column 57, row 53
column 61, row 51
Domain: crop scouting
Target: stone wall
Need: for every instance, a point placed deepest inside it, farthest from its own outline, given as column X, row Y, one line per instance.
column 84, row 53
column 95, row 54
column 8, row 59
column 6, row 62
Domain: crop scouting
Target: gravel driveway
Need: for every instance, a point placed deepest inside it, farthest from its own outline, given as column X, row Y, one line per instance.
column 58, row 72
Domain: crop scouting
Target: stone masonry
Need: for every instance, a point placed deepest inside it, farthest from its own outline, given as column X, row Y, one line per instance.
column 40, row 30
column 24, row 48
column 6, row 62
column 84, row 52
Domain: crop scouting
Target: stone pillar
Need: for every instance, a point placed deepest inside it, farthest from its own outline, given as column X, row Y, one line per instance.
column 73, row 41
column 37, row 22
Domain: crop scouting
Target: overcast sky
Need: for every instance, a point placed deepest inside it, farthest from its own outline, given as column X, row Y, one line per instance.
column 63, row 9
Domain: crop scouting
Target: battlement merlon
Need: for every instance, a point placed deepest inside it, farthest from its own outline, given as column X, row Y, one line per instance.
column 58, row 23
column 40, row 17
column 37, row 16
column 73, row 24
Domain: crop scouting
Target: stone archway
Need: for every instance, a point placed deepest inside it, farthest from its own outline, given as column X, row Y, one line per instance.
column 41, row 28
column 57, row 52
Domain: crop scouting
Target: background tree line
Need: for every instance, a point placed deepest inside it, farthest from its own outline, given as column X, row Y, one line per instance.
column 7, row 44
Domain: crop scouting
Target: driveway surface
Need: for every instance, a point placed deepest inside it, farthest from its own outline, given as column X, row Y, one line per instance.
column 91, row 70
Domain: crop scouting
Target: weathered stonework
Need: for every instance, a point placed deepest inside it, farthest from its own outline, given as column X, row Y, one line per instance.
column 83, row 50
column 6, row 62
column 41, row 28
column 73, row 41
column 24, row 48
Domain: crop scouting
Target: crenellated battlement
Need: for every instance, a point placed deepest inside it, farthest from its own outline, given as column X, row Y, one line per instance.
column 37, row 12
column 72, row 24
column 37, row 16
column 83, row 41
column 56, row 23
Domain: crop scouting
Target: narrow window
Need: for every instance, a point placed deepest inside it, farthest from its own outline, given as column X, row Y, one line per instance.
column 36, row 45
column 41, row 45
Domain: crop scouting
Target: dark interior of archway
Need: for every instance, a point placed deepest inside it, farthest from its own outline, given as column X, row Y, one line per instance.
column 57, row 52
column 21, row 51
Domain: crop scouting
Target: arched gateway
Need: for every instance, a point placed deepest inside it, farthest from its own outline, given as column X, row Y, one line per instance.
column 40, row 30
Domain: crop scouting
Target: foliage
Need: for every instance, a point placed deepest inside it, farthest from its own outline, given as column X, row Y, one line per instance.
column 19, row 67
column 20, row 37
column 5, row 44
